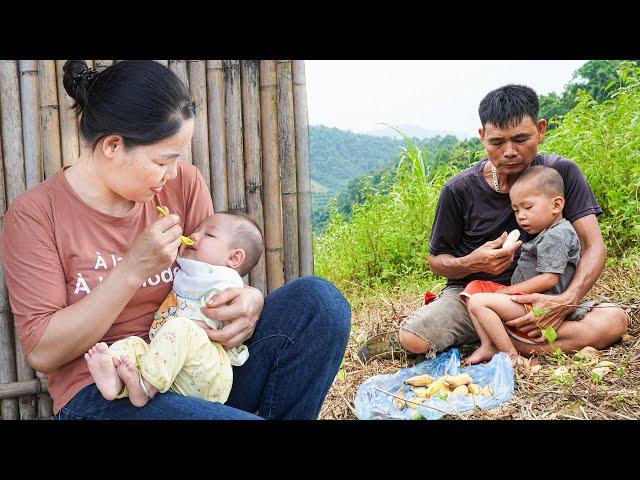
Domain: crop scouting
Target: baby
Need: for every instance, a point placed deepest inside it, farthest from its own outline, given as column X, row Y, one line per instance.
column 180, row 356
column 546, row 265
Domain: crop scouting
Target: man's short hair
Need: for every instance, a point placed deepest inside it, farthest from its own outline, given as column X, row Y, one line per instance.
column 545, row 180
column 248, row 236
column 507, row 106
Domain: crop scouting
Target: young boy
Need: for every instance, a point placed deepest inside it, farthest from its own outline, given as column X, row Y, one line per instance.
column 546, row 265
column 180, row 356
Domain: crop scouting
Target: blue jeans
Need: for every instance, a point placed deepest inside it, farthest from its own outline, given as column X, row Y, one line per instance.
column 294, row 355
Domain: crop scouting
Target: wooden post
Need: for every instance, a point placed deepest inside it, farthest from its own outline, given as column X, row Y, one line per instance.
column 68, row 121
column 50, row 123
column 233, row 137
column 13, row 175
column 286, row 134
column 271, row 175
column 200, row 140
column 32, row 147
column 179, row 67
column 252, row 159
column 303, row 168
column 217, row 144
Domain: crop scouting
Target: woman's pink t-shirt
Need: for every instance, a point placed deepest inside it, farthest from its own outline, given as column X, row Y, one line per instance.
column 56, row 249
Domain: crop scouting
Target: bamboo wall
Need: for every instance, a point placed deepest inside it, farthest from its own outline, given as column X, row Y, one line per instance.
column 251, row 143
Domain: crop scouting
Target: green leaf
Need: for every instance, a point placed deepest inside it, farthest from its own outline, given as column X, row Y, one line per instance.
column 342, row 374
column 550, row 334
column 538, row 312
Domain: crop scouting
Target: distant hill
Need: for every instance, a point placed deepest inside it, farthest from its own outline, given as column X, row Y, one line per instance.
column 412, row 131
column 337, row 155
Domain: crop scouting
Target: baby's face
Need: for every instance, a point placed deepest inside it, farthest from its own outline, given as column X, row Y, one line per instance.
column 534, row 210
column 212, row 241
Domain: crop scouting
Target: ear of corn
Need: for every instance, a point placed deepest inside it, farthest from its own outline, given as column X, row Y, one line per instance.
column 457, row 380
column 420, row 381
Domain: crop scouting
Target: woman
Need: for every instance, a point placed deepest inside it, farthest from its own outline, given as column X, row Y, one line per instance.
column 87, row 258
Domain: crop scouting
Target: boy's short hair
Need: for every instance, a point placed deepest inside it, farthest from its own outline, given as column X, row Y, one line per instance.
column 248, row 236
column 508, row 105
column 543, row 179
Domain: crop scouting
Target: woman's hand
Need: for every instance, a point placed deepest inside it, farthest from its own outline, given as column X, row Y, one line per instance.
column 554, row 316
column 155, row 249
column 241, row 307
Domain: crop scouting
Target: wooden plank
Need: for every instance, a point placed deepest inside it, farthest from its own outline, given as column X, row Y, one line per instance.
column 180, row 68
column 288, row 181
column 217, row 143
column 253, row 159
column 50, row 123
column 303, row 168
column 233, row 135
column 271, row 205
column 200, row 140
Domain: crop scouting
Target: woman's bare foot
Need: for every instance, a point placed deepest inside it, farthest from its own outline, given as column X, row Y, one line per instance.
column 131, row 378
column 482, row 354
column 101, row 367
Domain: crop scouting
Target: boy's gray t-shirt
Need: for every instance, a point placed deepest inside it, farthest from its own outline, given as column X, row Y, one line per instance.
column 554, row 250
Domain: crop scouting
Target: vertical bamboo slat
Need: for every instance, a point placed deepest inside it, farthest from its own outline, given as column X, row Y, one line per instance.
column 163, row 62
column 32, row 147
column 252, row 159
column 233, row 137
column 68, row 121
column 50, row 123
column 303, row 168
column 288, row 187
column 13, row 166
column 179, row 67
column 200, row 140
column 271, row 175
column 217, row 144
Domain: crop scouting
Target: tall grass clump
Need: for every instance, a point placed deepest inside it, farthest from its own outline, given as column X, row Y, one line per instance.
column 385, row 244
column 604, row 140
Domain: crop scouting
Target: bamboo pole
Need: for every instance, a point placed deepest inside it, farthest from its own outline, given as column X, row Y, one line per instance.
column 200, row 140
column 252, row 159
column 50, row 123
column 271, row 175
column 27, row 387
column 215, row 96
column 32, row 147
column 68, row 121
column 289, row 192
column 303, row 168
column 163, row 62
column 233, row 137
column 13, row 176
column 179, row 67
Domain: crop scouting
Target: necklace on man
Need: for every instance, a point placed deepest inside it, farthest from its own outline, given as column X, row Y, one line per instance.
column 496, row 185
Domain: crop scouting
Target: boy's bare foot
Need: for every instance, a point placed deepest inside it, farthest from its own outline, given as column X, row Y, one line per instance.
column 101, row 367
column 131, row 378
column 481, row 354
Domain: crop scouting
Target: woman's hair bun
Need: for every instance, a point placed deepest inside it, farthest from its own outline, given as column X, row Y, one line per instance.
column 77, row 80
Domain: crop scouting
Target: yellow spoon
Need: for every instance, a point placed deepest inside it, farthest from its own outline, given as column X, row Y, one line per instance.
column 186, row 240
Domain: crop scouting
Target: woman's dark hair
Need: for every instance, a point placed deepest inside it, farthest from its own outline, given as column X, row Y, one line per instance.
column 508, row 105
column 141, row 100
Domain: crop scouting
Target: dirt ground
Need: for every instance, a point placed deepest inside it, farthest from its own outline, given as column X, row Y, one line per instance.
column 563, row 387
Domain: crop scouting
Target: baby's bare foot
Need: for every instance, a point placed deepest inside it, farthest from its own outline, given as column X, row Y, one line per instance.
column 131, row 378
column 101, row 367
column 482, row 354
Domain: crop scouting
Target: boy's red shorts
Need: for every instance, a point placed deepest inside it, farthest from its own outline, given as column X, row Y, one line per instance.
column 486, row 286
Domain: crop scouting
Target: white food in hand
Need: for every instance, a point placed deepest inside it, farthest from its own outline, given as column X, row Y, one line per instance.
column 513, row 237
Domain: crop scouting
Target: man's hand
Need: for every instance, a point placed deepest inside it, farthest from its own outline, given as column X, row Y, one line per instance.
column 491, row 258
column 530, row 324
column 241, row 307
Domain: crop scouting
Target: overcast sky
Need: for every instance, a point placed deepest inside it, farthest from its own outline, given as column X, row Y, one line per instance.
column 433, row 94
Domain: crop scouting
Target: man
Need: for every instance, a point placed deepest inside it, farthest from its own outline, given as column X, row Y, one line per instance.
column 471, row 222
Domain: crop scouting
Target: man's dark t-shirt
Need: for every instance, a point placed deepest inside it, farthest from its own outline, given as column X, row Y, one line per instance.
column 470, row 212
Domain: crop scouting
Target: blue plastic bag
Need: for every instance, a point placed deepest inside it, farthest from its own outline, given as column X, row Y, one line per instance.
column 372, row 404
